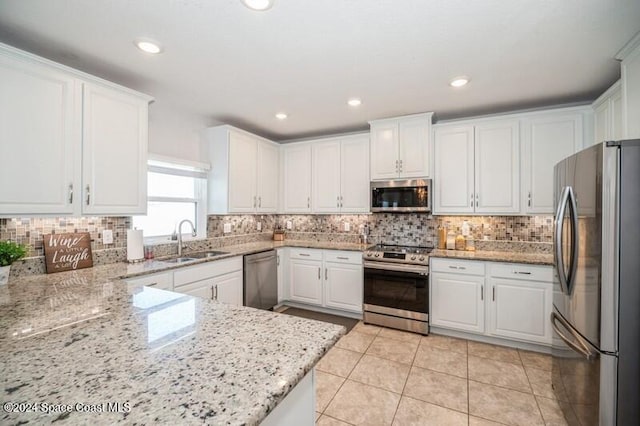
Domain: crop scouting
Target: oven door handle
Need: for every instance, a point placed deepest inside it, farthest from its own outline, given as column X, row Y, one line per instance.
column 422, row 270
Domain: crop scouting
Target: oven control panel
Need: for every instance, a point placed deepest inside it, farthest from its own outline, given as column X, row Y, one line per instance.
column 397, row 257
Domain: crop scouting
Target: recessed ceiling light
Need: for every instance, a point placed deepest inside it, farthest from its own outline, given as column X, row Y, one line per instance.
column 354, row 102
column 259, row 5
column 281, row 116
column 147, row 45
column 459, row 81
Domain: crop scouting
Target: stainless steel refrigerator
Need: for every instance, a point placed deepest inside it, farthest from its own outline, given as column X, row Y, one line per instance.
column 596, row 303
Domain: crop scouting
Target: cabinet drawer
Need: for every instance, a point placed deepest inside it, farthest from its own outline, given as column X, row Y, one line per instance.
column 191, row 274
column 520, row 271
column 162, row 281
column 353, row 257
column 454, row 266
column 301, row 253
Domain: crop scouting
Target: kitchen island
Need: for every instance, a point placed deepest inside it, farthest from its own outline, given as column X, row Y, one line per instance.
column 117, row 353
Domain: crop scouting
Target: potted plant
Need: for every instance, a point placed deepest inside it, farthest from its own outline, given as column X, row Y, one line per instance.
column 9, row 253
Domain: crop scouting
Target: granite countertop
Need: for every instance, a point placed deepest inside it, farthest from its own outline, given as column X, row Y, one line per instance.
column 84, row 337
column 496, row 256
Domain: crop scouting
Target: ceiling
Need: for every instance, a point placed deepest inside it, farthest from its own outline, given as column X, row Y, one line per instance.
column 307, row 57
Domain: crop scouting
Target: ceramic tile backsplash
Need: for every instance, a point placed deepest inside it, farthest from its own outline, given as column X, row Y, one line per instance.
column 30, row 231
column 240, row 224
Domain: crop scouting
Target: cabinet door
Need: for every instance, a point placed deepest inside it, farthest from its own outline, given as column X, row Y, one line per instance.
column 228, row 288
column 457, row 302
column 39, row 139
column 546, row 141
column 354, row 171
column 114, row 152
column 520, row 309
column 414, row 136
column 384, row 151
column 202, row 289
column 305, row 281
column 243, row 160
column 616, row 132
column 497, row 167
column 281, row 255
column 453, row 183
column 297, row 178
column 343, row 285
column 631, row 95
column 602, row 121
column 326, row 177
column 267, row 183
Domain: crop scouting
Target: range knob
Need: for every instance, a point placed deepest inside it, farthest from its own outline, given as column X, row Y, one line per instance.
column 369, row 254
column 413, row 258
column 377, row 254
column 421, row 258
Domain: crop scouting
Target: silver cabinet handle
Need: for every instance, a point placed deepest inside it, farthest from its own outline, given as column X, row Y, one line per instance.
column 397, row 168
column 254, row 201
column 338, row 201
column 477, row 199
column 342, row 258
column 522, row 272
column 305, row 254
column 215, row 297
column 458, row 267
column 88, row 194
column 151, row 285
column 529, row 199
column 308, row 202
column 319, row 272
column 493, row 295
column 472, row 199
column 70, row 193
column 326, row 274
column 481, row 292
column 278, row 260
column 341, row 199
column 400, row 165
column 260, row 201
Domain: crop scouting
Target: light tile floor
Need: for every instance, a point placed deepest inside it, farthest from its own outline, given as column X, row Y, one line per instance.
column 379, row 376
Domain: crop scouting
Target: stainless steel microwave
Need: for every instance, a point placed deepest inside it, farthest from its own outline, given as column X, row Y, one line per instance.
column 412, row 195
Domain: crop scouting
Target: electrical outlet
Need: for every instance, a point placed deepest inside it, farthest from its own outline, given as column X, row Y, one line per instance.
column 347, row 227
column 289, row 225
column 107, row 236
column 227, row 228
column 259, row 226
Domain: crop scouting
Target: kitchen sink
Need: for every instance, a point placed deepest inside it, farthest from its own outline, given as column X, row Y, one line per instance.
column 180, row 260
column 207, row 254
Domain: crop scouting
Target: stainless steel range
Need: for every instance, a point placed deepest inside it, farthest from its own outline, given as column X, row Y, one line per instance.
column 396, row 287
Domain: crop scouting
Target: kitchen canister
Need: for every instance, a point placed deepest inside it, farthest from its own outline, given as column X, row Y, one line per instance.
column 135, row 247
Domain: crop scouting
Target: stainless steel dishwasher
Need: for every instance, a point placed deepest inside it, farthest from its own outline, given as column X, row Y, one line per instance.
column 261, row 280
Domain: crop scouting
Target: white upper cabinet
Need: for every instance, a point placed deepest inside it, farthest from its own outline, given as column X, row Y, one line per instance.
column 37, row 162
column 546, row 140
column 244, row 172
column 401, row 147
column 477, row 168
column 87, row 153
column 607, row 111
column 114, row 152
column 297, row 178
column 630, row 56
column 339, row 175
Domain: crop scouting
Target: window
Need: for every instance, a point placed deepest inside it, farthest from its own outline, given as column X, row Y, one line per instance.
column 175, row 192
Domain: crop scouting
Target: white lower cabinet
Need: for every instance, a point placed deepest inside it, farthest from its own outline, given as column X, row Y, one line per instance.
column 221, row 280
column 327, row 278
column 163, row 281
column 506, row 300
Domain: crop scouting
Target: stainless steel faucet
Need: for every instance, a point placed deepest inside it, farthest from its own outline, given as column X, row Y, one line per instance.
column 193, row 233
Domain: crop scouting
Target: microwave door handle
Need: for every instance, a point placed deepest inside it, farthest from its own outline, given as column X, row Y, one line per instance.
column 573, row 262
column 580, row 347
column 557, row 240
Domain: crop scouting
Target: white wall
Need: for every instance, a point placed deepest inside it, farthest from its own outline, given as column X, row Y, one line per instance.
column 175, row 132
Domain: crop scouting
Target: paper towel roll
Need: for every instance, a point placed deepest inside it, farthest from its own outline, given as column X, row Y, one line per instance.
column 135, row 248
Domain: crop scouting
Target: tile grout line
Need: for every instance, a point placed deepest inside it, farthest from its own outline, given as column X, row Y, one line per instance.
column 531, row 387
column 413, row 360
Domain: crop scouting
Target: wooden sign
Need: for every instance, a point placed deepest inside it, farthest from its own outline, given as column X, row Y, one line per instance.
column 66, row 252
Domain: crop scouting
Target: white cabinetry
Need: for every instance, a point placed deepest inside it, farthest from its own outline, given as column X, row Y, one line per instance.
column 546, row 139
column 504, row 300
column 401, row 147
column 477, row 168
column 297, row 178
column 88, row 152
column 163, row 281
column 630, row 56
column 326, row 278
column 221, row 280
column 244, row 172
column 341, row 175
column 457, row 297
column 607, row 111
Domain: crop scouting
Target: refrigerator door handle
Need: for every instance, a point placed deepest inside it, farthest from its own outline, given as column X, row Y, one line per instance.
column 581, row 347
column 566, row 280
